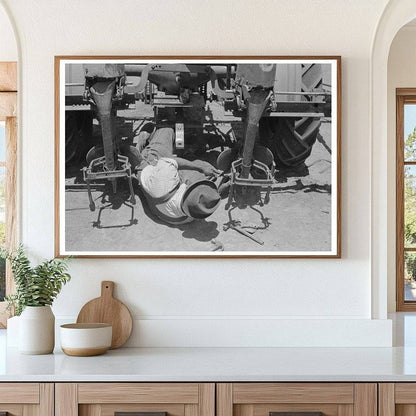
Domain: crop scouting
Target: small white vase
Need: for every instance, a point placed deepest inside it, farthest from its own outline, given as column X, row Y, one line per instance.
column 37, row 330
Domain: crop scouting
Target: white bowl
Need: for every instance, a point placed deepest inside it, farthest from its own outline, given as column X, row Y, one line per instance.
column 83, row 340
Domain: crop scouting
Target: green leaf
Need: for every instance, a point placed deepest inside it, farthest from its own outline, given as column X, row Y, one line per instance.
column 35, row 286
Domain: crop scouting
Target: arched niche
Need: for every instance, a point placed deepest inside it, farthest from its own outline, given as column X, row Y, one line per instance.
column 396, row 14
column 9, row 59
column 8, row 41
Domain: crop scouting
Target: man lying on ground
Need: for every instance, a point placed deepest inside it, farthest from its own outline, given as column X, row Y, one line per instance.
column 171, row 194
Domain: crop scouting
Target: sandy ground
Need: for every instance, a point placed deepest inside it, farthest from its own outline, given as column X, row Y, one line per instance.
column 297, row 218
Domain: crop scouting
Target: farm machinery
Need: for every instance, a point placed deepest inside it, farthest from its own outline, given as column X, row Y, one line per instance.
column 280, row 106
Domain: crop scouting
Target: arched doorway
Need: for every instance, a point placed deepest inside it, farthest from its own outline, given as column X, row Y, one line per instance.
column 396, row 14
column 8, row 149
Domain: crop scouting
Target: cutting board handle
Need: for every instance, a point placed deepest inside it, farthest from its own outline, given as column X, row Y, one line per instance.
column 107, row 289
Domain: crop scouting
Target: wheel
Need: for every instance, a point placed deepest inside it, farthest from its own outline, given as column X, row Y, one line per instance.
column 94, row 153
column 78, row 135
column 291, row 139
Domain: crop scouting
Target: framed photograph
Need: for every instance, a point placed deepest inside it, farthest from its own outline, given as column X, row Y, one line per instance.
column 197, row 156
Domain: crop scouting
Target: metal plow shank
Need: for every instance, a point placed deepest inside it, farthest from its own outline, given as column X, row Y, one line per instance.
column 112, row 165
column 102, row 93
column 256, row 105
column 256, row 83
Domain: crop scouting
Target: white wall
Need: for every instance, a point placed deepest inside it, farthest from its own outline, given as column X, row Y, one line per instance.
column 179, row 302
column 401, row 74
column 8, row 47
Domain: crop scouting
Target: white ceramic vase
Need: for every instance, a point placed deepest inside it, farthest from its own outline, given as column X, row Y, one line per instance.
column 37, row 330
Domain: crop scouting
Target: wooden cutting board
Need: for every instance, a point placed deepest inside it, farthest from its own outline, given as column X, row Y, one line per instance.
column 107, row 309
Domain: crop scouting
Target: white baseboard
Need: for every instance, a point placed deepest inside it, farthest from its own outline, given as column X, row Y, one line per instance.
column 253, row 332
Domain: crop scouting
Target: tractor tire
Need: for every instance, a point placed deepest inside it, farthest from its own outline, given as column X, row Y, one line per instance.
column 78, row 135
column 291, row 139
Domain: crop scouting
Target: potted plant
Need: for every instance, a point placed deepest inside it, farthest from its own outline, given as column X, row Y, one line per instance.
column 36, row 289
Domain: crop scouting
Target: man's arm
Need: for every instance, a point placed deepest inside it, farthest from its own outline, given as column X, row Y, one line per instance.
column 206, row 168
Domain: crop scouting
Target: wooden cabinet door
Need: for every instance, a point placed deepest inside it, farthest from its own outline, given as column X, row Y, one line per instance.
column 27, row 399
column 153, row 399
column 297, row 399
column 397, row 399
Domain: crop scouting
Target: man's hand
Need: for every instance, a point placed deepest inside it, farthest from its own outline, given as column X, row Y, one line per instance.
column 207, row 169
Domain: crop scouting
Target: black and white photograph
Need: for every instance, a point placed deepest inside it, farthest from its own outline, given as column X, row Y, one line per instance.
column 192, row 157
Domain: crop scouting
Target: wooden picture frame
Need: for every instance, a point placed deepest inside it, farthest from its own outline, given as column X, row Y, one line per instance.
column 297, row 139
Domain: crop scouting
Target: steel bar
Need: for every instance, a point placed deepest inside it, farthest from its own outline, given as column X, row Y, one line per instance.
column 302, row 93
column 246, row 234
column 296, row 115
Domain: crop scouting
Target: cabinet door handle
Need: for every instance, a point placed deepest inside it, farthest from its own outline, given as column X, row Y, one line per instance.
column 137, row 414
column 296, row 414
